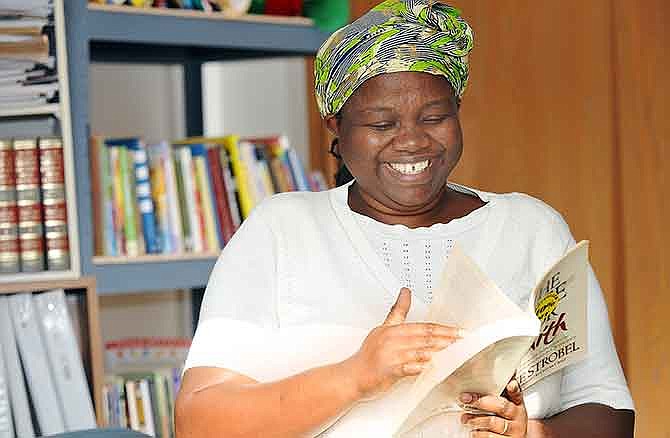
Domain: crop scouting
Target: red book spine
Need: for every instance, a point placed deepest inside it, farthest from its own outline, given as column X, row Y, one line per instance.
column 220, row 194
column 52, row 172
column 9, row 215
column 28, row 196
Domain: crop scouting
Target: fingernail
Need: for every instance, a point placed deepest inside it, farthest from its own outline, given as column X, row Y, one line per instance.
column 514, row 386
column 466, row 398
column 461, row 333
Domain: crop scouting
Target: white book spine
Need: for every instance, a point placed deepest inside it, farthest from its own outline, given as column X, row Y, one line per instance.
column 35, row 364
column 131, row 402
column 149, row 425
column 18, row 397
column 65, row 360
column 173, row 207
column 6, row 423
column 188, row 174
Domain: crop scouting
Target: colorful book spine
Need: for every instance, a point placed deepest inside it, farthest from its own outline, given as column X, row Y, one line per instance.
column 118, row 198
column 241, row 175
column 193, row 206
column 54, row 203
column 9, row 216
column 210, row 236
column 159, row 195
column 145, row 204
column 218, row 232
column 221, row 197
column 132, row 242
column 28, row 195
column 298, row 171
column 231, row 188
column 183, row 208
column 174, row 213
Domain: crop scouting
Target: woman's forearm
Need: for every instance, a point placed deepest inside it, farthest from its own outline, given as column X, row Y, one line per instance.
column 297, row 406
column 585, row 421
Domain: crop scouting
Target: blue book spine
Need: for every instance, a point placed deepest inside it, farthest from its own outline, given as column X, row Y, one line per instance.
column 144, row 201
column 302, row 184
column 105, row 172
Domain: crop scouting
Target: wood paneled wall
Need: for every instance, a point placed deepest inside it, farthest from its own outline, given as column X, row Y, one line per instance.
column 642, row 61
column 569, row 101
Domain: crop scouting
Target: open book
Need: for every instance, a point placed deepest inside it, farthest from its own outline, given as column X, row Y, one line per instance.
column 502, row 340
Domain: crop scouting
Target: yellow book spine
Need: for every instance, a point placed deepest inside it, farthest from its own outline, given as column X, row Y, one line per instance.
column 241, row 174
column 211, row 236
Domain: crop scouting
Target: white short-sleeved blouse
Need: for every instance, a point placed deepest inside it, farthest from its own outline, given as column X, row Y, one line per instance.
column 304, row 273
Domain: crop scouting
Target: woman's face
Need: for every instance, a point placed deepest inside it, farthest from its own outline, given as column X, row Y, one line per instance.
column 400, row 137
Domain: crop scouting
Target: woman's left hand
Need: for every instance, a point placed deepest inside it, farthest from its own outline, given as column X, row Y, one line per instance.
column 509, row 418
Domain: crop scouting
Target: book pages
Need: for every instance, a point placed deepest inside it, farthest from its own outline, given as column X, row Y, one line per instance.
column 560, row 300
column 499, row 333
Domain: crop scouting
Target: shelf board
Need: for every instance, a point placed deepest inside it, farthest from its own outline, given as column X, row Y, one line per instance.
column 208, row 32
column 52, row 109
column 152, row 258
column 151, row 273
column 32, row 277
column 202, row 15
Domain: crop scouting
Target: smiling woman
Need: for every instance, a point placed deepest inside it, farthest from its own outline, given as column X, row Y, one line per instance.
column 278, row 350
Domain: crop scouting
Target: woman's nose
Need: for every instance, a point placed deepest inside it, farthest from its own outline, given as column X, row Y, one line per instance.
column 411, row 138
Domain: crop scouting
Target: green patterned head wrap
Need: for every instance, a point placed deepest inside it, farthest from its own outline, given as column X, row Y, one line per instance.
column 395, row 36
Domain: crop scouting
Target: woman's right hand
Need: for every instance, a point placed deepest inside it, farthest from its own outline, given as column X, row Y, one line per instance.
column 397, row 349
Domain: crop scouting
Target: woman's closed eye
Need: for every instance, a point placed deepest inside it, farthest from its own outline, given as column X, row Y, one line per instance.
column 381, row 126
column 436, row 118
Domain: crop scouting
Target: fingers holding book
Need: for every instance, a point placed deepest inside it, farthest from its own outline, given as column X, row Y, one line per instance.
column 500, row 415
column 397, row 349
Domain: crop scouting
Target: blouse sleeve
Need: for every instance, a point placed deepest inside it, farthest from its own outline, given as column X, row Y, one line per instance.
column 598, row 378
column 238, row 318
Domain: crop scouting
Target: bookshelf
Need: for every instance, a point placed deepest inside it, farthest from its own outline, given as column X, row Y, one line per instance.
column 103, row 33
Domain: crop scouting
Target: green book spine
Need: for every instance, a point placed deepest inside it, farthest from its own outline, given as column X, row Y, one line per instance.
column 185, row 224
column 129, row 205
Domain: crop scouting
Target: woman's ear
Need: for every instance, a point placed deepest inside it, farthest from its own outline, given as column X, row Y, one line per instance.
column 333, row 125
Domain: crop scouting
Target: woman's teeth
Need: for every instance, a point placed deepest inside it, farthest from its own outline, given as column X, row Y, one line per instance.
column 410, row 168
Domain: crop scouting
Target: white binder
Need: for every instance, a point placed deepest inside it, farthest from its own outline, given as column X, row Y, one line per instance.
column 36, row 365
column 65, row 360
column 6, row 423
column 18, row 397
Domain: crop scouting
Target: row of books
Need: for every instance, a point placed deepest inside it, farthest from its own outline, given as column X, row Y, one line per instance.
column 27, row 54
column 233, row 7
column 33, row 206
column 141, row 388
column 43, row 386
column 189, row 196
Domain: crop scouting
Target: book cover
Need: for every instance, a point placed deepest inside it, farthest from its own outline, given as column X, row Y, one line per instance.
column 117, row 200
column 65, row 360
column 9, row 215
column 143, row 192
column 241, row 175
column 126, row 169
column 43, row 395
column 192, row 205
column 18, row 395
column 54, row 203
column 159, row 196
column 221, row 196
column 218, row 231
column 231, row 188
column 185, row 219
column 173, row 203
column 6, row 422
column 499, row 335
column 202, row 182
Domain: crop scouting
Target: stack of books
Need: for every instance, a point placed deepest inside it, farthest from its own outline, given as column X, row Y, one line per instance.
column 33, row 206
column 189, row 196
column 28, row 75
column 142, row 383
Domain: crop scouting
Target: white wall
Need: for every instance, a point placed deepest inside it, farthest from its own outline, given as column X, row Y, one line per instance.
column 257, row 97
